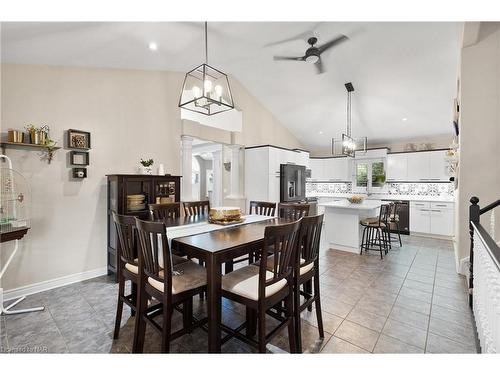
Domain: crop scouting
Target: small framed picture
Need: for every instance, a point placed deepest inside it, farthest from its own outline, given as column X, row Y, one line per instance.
column 78, row 139
column 79, row 172
column 79, row 158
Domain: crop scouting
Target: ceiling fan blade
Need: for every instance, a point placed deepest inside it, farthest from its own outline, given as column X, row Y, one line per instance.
column 319, row 66
column 289, row 58
column 302, row 36
column 331, row 43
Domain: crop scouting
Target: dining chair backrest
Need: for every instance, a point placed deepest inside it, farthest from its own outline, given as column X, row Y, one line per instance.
column 309, row 240
column 196, row 208
column 262, row 208
column 162, row 211
column 280, row 241
column 395, row 209
column 385, row 211
column 153, row 240
column 126, row 232
column 292, row 211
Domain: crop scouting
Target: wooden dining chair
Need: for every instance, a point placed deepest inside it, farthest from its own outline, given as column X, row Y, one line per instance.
column 162, row 211
column 256, row 208
column 262, row 208
column 169, row 283
column 292, row 211
column 196, row 208
column 126, row 267
column 259, row 289
column 306, row 270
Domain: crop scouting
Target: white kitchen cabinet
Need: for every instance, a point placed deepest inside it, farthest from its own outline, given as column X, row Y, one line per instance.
column 420, row 217
column 330, row 169
column 397, row 167
column 438, row 166
column 432, row 218
column 317, row 168
column 427, row 166
column 418, row 166
column 274, row 188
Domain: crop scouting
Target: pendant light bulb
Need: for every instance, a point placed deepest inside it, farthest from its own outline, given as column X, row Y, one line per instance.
column 218, row 91
column 196, row 92
column 208, row 86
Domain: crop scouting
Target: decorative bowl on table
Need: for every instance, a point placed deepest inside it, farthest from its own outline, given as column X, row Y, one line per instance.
column 356, row 199
column 225, row 215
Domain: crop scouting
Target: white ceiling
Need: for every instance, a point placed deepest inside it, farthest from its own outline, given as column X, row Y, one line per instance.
column 399, row 70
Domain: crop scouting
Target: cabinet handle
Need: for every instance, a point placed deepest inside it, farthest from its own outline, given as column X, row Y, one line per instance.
column 436, row 210
column 441, row 205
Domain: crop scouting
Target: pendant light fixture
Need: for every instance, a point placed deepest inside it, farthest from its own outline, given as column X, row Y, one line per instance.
column 347, row 145
column 206, row 89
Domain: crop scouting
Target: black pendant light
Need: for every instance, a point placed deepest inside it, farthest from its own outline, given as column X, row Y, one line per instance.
column 206, row 89
column 348, row 144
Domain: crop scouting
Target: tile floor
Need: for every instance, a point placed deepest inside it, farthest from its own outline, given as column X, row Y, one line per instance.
column 412, row 301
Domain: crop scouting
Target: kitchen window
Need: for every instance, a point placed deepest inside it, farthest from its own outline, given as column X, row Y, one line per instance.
column 370, row 175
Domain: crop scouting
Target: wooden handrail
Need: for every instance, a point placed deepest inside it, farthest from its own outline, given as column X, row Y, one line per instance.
column 489, row 207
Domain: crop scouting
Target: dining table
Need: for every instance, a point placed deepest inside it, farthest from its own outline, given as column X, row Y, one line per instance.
column 214, row 248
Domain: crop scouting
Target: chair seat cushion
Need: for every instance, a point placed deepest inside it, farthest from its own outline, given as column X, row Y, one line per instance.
column 369, row 220
column 245, row 282
column 192, row 276
column 270, row 265
column 134, row 267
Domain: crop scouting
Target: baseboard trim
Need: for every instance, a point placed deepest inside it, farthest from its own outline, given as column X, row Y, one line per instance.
column 54, row 283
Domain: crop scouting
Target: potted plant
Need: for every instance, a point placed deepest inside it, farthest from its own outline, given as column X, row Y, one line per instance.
column 50, row 148
column 146, row 166
column 34, row 133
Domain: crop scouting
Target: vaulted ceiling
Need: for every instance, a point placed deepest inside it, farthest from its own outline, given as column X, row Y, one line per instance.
column 404, row 74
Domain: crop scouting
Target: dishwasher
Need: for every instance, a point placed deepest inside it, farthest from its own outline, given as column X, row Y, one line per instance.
column 404, row 216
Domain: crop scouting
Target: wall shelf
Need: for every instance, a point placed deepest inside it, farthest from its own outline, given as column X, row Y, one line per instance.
column 30, row 147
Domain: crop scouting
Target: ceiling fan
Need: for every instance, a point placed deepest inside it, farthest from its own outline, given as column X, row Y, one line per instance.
column 313, row 53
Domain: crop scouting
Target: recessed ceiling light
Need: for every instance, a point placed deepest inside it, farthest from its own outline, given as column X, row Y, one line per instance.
column 404, row 119
column 320, row 132
column 153, row 46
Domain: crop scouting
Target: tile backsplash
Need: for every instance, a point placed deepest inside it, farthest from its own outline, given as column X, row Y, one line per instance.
column 394, row 188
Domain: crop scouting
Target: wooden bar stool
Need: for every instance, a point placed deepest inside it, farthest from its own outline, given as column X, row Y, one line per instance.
column 170, row 284
column 394, row 221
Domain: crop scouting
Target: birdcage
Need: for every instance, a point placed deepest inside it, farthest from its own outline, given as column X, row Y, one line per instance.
column 15, row 199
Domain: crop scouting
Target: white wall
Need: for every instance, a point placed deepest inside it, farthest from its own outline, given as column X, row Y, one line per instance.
column 131, row 114
column 479, row 173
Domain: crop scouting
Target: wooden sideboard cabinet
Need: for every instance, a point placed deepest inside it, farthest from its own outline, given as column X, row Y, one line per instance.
column 156, row 189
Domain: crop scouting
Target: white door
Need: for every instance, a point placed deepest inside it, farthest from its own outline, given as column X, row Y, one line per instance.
column 397, row 167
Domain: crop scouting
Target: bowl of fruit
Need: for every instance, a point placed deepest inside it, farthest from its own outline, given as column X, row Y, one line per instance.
column 356, row 199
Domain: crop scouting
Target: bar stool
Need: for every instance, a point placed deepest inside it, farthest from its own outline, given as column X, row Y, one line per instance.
column 376, row 232
column 394, row 221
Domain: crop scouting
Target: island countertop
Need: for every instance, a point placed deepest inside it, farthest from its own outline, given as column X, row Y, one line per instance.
column 345, row 204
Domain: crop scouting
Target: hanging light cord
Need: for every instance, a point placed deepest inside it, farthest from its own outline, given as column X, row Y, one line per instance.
column 206, row 43
column 348, row 127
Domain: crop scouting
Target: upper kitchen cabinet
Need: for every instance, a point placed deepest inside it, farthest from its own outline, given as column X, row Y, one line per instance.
column 421, row 166
column 317, row 169
column 397, row 167
column 331, row 169
column 438, row 168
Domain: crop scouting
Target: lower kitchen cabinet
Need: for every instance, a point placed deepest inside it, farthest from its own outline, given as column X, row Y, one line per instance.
column 432, row 218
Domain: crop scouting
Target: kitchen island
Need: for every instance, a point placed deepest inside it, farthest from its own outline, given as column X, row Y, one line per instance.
column 342, row 230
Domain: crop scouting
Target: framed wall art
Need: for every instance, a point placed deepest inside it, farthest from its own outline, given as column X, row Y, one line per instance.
column 78, row 139
column 79, row 158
